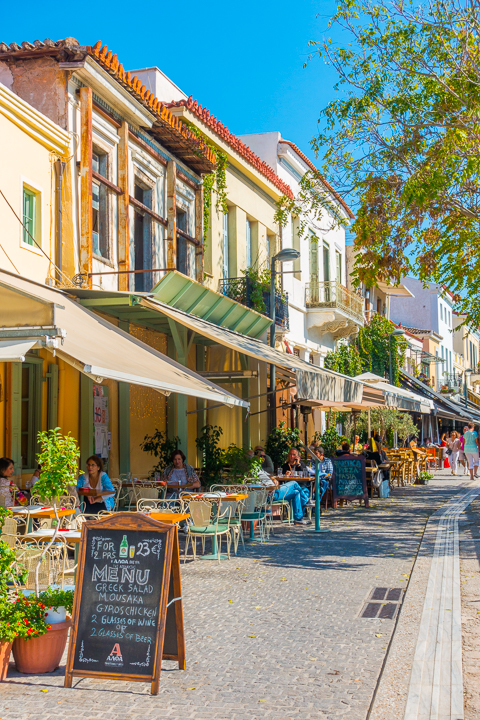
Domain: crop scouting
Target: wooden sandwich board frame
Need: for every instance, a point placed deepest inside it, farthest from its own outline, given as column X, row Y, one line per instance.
column 170, row 587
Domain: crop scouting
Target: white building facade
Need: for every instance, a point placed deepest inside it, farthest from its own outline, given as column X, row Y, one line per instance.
column 321, row 308
column 430, row 309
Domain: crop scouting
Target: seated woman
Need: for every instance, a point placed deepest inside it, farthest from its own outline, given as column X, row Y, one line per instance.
column 179, row 475
column 95, row 479
column 10, row 495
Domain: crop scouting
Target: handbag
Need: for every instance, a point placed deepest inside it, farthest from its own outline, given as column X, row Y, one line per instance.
column 448, row 451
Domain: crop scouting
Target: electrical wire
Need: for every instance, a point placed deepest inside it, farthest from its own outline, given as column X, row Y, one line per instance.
column 36, row 243
column 1, row 246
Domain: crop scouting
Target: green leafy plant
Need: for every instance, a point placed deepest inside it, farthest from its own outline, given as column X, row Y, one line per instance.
column 161, row 447
column 387, row 421
column 279, row 442
column 214, row 182
column 239, row 464
column 58, row 459
column 345, row 359
column 210, row 453
column 370, row 351
column 53, row 598
column 424, row 477
column 22, row 616
column 331, row 440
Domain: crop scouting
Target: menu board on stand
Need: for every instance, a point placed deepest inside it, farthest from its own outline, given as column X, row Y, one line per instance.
column 128, row 612
column 349, row 481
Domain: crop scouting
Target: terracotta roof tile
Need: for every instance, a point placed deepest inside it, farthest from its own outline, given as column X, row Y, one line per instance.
column 206, row 116
column 190, row 148
column 325, row 182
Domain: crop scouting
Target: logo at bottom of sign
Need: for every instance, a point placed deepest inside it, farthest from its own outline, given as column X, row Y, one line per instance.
column 115, row 658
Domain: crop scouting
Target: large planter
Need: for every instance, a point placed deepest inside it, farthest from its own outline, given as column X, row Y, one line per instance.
column 5, row 649
column 42, row 654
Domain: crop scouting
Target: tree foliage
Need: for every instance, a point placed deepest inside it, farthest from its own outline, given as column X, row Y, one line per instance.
column 161, row 447
column 279, row 442
column 403, row 135
column 370, row 351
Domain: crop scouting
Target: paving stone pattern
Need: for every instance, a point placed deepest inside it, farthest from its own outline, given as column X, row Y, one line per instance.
column 273, row 633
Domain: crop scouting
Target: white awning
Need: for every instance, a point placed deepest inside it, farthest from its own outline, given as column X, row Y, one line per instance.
column 93, row 345
column 15, row 350
column 396, row 396
column 313, row 383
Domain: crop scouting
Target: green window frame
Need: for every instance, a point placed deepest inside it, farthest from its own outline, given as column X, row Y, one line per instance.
column 29, row 216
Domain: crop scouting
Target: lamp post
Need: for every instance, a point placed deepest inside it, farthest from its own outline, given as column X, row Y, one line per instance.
column 395, row 333
column 465, row 391
column 285, row 255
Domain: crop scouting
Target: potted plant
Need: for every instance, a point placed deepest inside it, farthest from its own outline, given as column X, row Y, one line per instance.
column 38, row 645
column 210, row 454
column 41, row 650
column 58, row 603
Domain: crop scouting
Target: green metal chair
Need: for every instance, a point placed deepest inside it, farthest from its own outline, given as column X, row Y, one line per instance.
column 208, row 520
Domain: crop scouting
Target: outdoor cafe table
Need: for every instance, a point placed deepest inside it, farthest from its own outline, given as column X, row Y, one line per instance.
column 39, row 512
column 171, row 518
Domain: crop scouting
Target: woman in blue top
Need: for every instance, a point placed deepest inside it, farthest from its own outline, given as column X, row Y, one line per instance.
column 96, row 479
column 470, row 448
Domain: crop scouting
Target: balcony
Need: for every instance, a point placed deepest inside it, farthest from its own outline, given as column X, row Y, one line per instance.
column 246, row 292
column 332, row 308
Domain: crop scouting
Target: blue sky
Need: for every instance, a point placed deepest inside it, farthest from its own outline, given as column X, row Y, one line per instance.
column 244, row 62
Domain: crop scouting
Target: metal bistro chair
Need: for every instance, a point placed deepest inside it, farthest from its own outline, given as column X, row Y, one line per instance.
column 255, row 510
column 160, row 504
column 237, row 507
column 206, row 521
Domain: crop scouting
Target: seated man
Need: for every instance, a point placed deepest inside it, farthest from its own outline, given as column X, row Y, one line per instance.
column 290, row 491
column 293, row 463
column 326, row 470
column 266, row 460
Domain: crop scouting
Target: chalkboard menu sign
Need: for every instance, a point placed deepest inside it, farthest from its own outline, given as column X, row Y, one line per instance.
column 349, row 478
column 128, row 573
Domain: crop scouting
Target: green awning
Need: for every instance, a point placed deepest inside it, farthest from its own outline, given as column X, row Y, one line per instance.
column 183, row 293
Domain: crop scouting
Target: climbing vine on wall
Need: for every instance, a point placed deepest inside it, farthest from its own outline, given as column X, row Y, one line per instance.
column 214, row 182
column 312, row 205
column 370, row 351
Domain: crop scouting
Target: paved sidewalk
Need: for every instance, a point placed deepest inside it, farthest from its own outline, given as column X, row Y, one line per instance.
column 274, row 633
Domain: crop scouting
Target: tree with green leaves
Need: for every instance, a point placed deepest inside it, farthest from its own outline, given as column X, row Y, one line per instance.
column 370, row 351
column 58, row 459
column 403, row 138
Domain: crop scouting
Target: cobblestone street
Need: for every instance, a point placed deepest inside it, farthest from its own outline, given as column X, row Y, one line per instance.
column 274, row 633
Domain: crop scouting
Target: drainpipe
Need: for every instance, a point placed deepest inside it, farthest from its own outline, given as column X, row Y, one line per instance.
column 59, row 169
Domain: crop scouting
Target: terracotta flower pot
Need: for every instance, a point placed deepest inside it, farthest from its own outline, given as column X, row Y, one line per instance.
column 41, row 654
column 5, row 649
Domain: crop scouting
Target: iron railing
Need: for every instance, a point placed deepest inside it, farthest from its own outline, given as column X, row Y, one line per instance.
column 242, row 290
column 331, row 294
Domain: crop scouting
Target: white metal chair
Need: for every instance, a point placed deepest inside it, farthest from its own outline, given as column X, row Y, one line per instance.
column 159, row 504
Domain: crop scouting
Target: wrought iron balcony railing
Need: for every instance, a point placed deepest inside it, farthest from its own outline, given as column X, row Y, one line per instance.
column 331, row 294
column 243, row 290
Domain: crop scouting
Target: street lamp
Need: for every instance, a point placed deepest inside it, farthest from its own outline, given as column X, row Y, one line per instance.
column 465, row 391
column 285, row 255
column 395, row 333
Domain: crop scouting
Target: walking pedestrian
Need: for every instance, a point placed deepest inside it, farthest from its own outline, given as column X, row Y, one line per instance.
column 444, row 444
column 454, row 445
column 470, row 440
column 462, row 460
